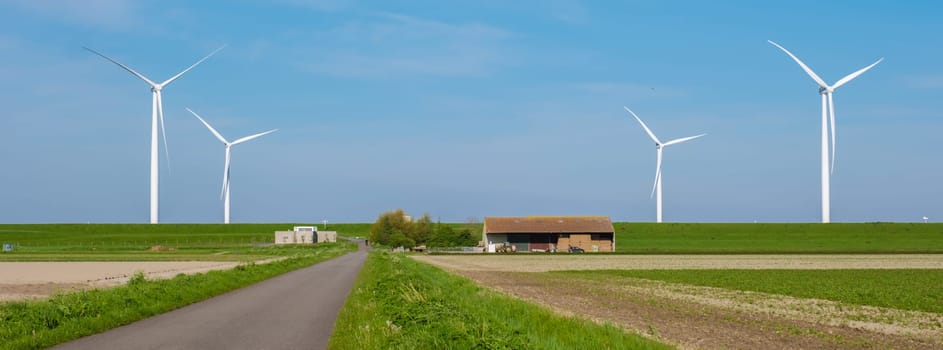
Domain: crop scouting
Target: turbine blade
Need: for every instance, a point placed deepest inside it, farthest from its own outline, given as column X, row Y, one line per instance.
column 649, row 131
column 225, row 174
column 804, row 67
column 683, row 139
column 218, row 136
column 251, row 137
column 657, row 173
column 168, row 81
column 163, row 131
column 123, row 66
column 851, row 76
column 831, row 106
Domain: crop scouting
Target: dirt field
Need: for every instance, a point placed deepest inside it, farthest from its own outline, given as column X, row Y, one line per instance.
column 543, row 263
column 694, row 317
column 30, row 280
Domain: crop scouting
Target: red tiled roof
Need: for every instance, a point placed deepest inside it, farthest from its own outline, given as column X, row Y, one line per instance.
column 549, row 224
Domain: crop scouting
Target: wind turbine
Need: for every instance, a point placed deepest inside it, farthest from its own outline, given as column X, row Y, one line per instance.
column 659, row 147
column 828, row 109
column 157, row 112
column 224, row 195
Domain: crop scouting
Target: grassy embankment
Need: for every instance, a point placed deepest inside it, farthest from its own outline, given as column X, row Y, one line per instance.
column 917, row 290
column 398, row 303
column 40, row 324
column 668, row 238
column 132, row 242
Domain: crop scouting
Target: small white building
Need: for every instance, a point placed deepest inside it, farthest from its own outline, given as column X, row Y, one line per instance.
column 304, row 235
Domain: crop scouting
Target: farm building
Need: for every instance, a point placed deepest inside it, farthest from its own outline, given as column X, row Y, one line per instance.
column 550, row 233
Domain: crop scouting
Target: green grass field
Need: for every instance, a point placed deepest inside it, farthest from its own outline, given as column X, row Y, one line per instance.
column 132, row 242
column 669, row 238
column 398, row 303
column 918, row 290
column 632, row 238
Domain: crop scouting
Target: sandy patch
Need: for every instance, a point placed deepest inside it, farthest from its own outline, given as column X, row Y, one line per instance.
column 30, row 280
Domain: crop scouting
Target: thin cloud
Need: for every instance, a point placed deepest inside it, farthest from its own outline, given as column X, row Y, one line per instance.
column 109, row 14
column 569, row 11
column 317, row 5
column 629, row 90
column 393, row 45
column 926, row 81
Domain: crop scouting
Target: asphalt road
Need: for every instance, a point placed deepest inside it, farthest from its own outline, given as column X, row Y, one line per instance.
column 292, row 311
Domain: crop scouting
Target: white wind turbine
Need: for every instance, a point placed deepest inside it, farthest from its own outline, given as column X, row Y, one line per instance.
column 225, row 192
column 828, row 109
column 659, row 146
column 157, row 113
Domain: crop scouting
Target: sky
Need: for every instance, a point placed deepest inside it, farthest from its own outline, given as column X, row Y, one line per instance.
column 466, row 109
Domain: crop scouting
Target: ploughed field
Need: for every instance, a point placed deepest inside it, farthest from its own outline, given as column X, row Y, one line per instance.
column 812, row 301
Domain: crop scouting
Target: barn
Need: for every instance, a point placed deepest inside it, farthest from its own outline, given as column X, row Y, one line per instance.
column 551, row 233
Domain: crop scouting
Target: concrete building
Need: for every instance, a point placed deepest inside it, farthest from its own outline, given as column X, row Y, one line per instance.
column 326, row 236
column 294, row 237
column 550, row 233
column 304, row 235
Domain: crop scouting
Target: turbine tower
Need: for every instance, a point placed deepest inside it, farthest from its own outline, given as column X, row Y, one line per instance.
column 224, row 195
column 157, row 113
column 659, row 147
column 828, row 117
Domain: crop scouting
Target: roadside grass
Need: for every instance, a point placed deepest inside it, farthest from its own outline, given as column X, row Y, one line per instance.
column 905, row 289
column 769, row 238
column 399, row 303
column 41, row 324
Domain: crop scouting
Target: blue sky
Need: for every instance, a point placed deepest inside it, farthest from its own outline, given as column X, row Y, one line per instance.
column 466, row 109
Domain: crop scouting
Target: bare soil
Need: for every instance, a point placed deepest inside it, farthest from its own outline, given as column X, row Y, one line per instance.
column 695, row 317
column 546, row 262
column 33, row 280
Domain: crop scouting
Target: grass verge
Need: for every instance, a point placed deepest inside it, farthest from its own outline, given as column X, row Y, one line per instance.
column 906, row 289
column 40, row 324
column 399, row 303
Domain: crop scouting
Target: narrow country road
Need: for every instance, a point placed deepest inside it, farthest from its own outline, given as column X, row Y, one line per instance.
column 292, row 311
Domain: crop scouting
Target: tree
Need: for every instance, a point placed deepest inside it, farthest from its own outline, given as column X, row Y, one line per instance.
column 422, row 229
column 388, row 224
